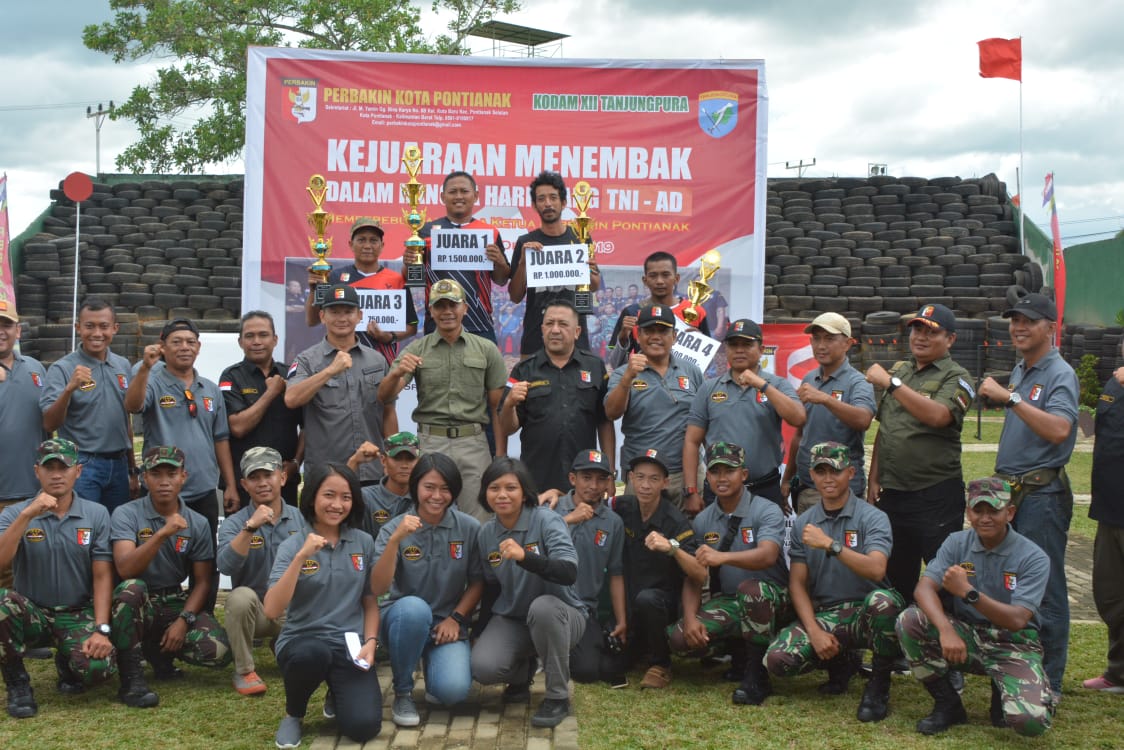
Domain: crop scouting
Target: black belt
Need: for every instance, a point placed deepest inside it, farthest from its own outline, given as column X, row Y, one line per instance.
column 765, row 481
column 110, row 456
column 166, row 591
column 464, row 430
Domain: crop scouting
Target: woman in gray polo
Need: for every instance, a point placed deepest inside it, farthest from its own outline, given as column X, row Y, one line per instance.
column 324, row 580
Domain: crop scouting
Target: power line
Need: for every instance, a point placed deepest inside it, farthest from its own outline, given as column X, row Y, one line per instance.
column 30, row 107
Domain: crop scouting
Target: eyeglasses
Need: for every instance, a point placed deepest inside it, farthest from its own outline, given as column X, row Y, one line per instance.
column 192, row 407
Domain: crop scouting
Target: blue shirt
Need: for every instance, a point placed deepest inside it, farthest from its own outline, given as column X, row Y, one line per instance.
column 1051, row 385
column 848, row 385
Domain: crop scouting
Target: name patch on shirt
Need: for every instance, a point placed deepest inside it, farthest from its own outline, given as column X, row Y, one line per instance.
column 494, row 558
column 249, row 391
column 309, row 567
column 851, row 538
column 167, row 402
column 83, row 537
column 456, row 550
column 413, row 552
column 357, row 561
column 1010, row 581
column 34, row 535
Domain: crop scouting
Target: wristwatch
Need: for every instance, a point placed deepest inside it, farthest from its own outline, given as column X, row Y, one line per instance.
column 674, row 547
column 459, row 619
column 895, row 383
column 835, row 548
column 972, row 597
column 691, row 490
column 1013, row 400
column 248, row 528
column 188, row 617
column 104, row 629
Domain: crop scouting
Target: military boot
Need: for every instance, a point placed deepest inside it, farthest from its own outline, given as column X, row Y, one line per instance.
column 947, row 708
column 134, row 691
column 21, row 698
column 755, row 686
column 998, row 719
column 875, row 703
column 839, row 671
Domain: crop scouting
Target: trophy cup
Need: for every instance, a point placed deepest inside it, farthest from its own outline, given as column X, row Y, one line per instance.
column 321, row 245
column 583, row 194
column 415, row 217
column 699, row 290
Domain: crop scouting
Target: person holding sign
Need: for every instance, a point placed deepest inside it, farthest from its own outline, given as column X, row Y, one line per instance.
column 368, row 274
column 459, row 232
column 745, row 406
column 654, row 393
column 548, row 196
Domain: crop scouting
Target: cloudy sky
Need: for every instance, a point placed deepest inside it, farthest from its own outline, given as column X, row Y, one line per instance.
column 849, row 83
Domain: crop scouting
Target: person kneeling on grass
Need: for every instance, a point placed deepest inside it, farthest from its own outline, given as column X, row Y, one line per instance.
column 322, row 583
column 996, row 578
column 429, row 562
column 528, row 552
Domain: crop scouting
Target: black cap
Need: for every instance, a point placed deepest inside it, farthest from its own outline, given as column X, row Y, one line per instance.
column 340, row 294
column 937, row 317
column 655, row 315
column 591, row 459
column 743, row 329
column 178, row 324
column 1035, row 307
column 650, row 456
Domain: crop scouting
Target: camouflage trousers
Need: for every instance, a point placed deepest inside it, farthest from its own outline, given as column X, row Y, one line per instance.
column 755, row 614
column 856, row 625
column 1013, row 661
column 24, row 625
column 205, row 644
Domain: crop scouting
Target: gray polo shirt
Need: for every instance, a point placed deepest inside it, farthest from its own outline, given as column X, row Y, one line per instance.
column 252, row 569
column 138, row 520
column 328, row 599
column 435, row 563
column 1015, row 572
column 743, row 416
column 53, row 566
column 382, row 505
column 1050, row 385
column 541, row 531
column 761, row 520
column 600, row 546
column 22, row 422
column 345, row 411
column 168, row 421
column 858, row 525
column 656, row 416
column 96, row 420
column 848, row 385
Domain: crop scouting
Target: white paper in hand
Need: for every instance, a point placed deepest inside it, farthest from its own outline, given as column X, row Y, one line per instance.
column 353, row 645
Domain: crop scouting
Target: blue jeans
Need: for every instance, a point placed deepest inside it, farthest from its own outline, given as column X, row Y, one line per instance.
column 103, row 480
column 406, row 628
column 1043, row 517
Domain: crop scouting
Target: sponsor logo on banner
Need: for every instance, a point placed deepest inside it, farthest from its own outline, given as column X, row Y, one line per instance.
column 300, row 98
column 456, row 550
column 747, row 534
column 718, row 113
column 357, row 561
column 1010, row 581
column 84, row 536
column 851, row 538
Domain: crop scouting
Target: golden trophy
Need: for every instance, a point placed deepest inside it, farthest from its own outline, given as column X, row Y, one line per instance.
column 412, row 258
column 583, row 194
column 700, row 290
column 321, row 244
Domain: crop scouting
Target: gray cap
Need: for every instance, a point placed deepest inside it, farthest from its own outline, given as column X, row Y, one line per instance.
column 260, row 457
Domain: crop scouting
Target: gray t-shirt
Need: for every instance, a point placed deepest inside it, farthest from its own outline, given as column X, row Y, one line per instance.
column 21, row 418
column 848, row 385
column 138, row 520
column 859, row 526
column 656, row 416
column 328, row 599
column 1050, row 385
column 96, row 420
column 435, row 563
column 252, row 569
column 1015, row 572
column 743, row 416
column 761, row 520
column 600, row 546
column 53, row 566
column 540, row 531
column 382, row 505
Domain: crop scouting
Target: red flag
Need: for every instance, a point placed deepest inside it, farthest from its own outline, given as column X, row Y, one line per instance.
column 1001, row 58
column 1059, row 256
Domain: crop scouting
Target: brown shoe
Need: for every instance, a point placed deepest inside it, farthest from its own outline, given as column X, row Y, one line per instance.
column 656, row 678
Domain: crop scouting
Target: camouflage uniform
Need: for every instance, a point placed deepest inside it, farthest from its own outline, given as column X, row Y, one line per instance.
column 755, row 614
column 205, row 644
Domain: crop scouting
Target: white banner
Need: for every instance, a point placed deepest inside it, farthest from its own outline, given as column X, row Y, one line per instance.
column 460, row 249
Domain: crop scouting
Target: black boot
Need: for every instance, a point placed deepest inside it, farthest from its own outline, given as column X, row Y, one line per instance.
column 21, row 699
column 163, row 665
column 737, row 652
column 69, row 683
column 134, row 691
column 755, row 686
column 839, row 671
column 947, row 708
column 998, row 719
column 876, row 697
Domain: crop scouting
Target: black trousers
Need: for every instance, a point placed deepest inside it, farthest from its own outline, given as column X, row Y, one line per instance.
column 306, row 662
column 920, row 520
column 651, row 611
column 591, row 660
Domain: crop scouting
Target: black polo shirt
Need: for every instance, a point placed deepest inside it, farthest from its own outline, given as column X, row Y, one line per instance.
column 561, row 413
column 242, row 385
column 644, row 568
column 1108, row 457
column 539, row 297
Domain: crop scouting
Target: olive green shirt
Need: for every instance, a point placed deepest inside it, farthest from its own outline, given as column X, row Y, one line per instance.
column 911, row 455
column 453, row 380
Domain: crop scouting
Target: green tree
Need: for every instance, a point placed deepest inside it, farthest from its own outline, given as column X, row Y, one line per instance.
column 205, row 42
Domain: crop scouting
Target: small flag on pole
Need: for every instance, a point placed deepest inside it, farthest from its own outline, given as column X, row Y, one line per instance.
column 1059, row 255
column 1001, row 58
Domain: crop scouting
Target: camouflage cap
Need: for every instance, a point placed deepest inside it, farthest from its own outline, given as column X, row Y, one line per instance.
column 260, row 457
column 590, row 459
column 403, row 442
column 168, row 455
column 994, row 491
column 446, row 289
column 58, row 449
column 726, row 454
column 835, row 455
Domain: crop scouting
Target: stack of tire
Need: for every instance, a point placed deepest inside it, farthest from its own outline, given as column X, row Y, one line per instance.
column 155, row 249
column 1102, row 343
column 886, row 244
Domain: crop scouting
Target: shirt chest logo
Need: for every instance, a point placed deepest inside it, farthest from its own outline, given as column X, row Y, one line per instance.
column 639, row 385
column 586, row 376
column 257, row 541
column 123, row 382
column 167, row 401
column 413, row 552
column 532, row 547
column 358, row 562
column 309, row 567
column 345, row 277
column 456, row 550
column 747, row 534
column 35, row 535
column 144, row 534
column 684, row 383
column 37, row 379
column 851, row 538
column 719, row 396
column 182, row 542
column 208, row 403
column 837, row 395
column 380, row 516
column 83, row 537
column 1035, row 392
column 969, row 567
column 762, row 398
column 1010, row 581
column 494, row 558
column 600, row 537
column 88, row 386
column 711, row 537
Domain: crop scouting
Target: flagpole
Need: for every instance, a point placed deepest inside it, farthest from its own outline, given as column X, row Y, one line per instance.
column 1022, row 172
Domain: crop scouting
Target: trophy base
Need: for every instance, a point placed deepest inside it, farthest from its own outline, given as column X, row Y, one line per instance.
column 583, row 302
column 415, row 275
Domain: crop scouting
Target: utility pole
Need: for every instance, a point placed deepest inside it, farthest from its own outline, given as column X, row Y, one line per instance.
column 800, row 166
column 99, row 116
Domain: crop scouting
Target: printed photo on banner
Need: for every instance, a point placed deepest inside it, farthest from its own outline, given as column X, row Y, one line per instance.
column 460, row 249
column 565, row 265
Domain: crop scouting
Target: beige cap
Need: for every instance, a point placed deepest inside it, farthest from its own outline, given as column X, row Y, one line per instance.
column 8, row 308
column 832, row 323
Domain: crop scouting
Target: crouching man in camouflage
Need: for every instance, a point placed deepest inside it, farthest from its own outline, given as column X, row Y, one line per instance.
column 837, row 581
column 58, row 545
column 996, row 578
